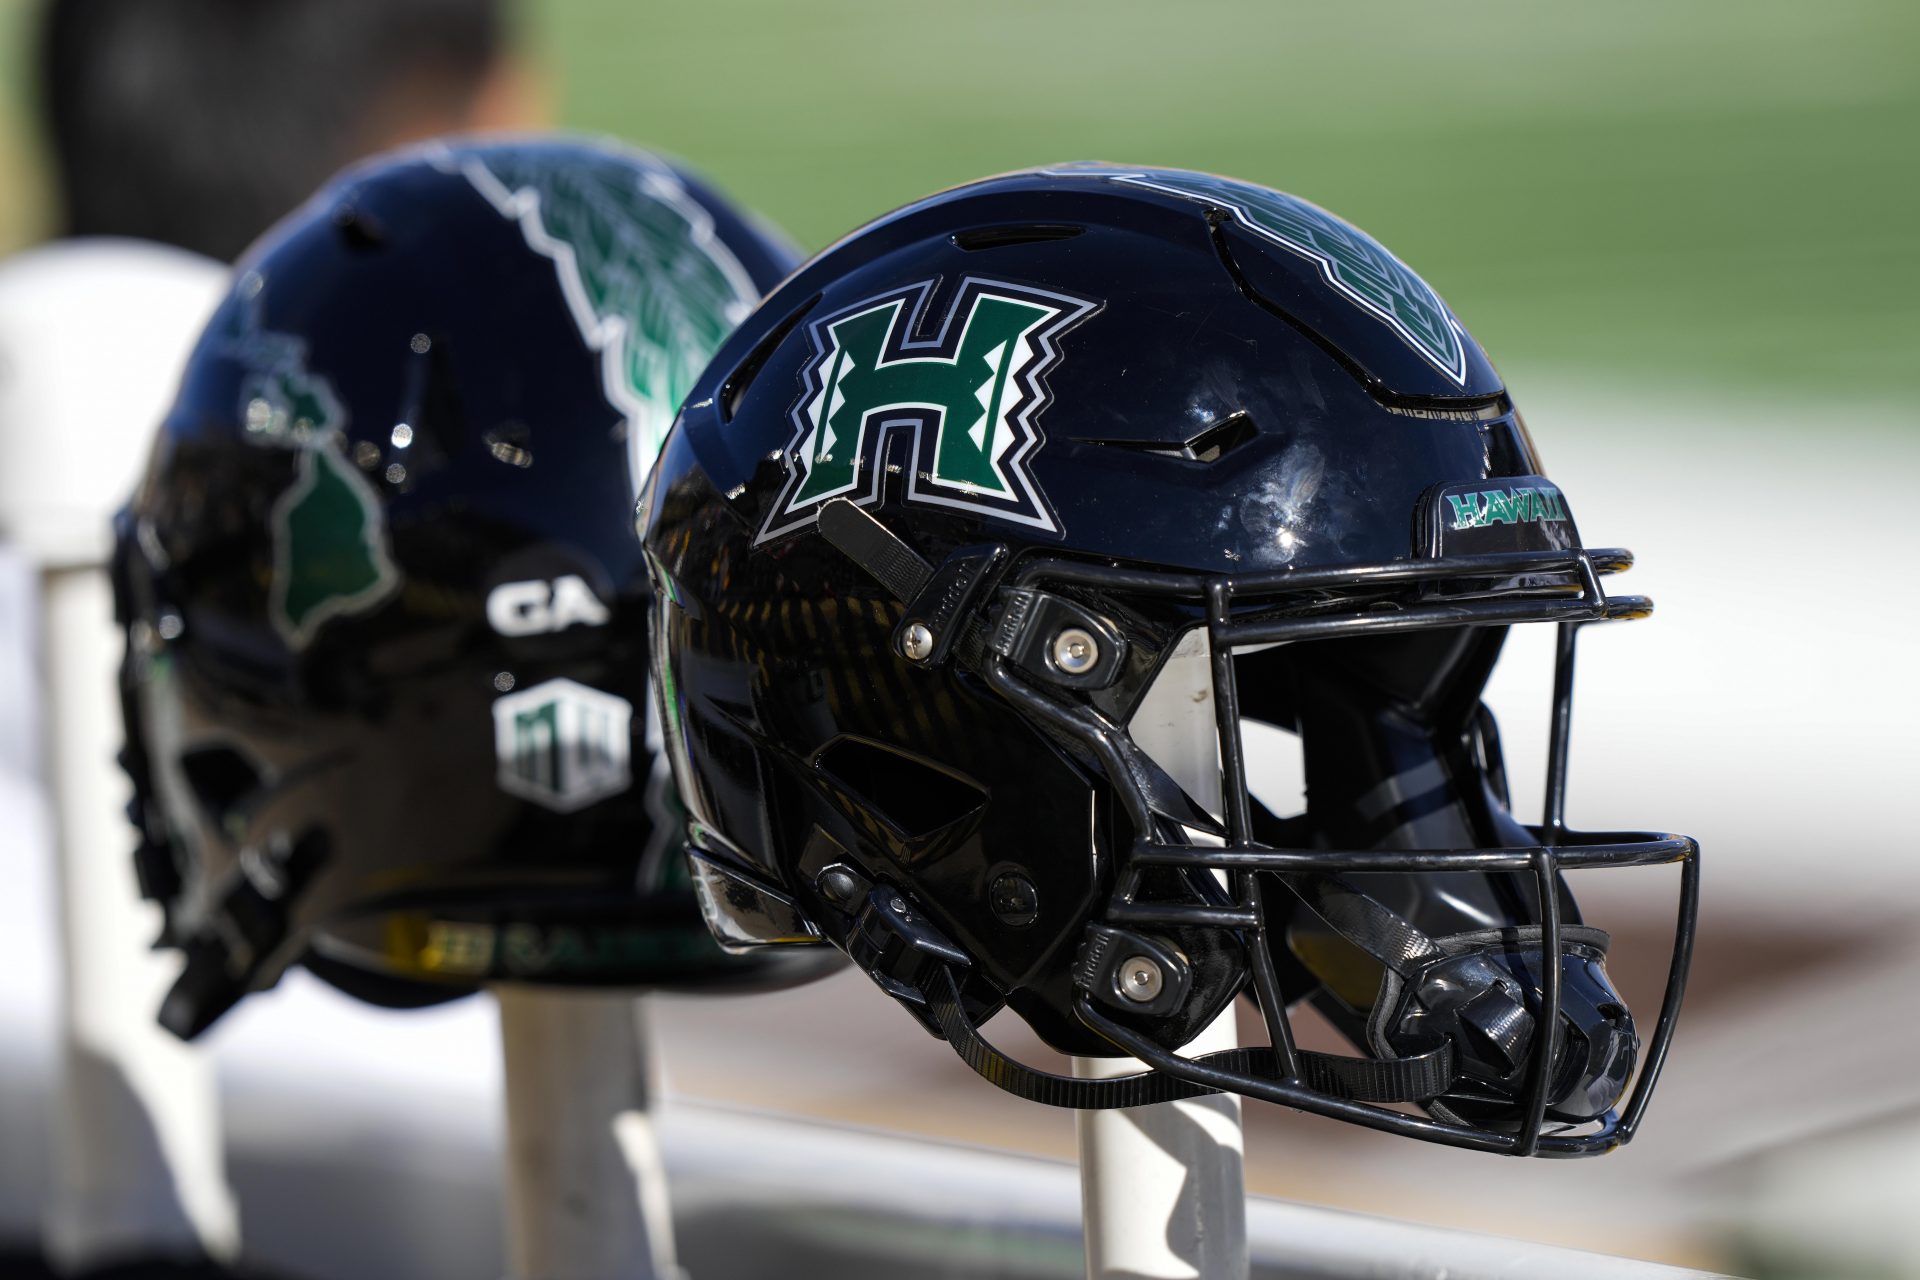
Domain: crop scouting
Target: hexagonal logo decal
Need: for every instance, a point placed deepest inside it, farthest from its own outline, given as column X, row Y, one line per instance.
column 563, row 745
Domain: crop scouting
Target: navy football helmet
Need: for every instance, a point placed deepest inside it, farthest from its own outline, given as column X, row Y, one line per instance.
column 384, row 685
column 973, row 485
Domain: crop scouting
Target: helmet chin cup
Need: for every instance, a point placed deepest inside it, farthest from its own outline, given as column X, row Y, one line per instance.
column 1483, row 995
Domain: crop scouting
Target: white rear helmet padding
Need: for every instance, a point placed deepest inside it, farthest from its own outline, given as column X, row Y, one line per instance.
column 93, row 336
column 1174, row 724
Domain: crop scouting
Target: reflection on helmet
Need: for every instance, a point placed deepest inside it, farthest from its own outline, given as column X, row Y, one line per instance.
column 941, row 518
column 385, row 680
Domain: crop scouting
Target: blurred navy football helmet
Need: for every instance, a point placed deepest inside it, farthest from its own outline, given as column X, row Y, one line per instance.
column 385, row 606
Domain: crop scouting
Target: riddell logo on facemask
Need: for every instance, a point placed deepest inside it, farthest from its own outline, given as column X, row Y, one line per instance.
column 540, row 608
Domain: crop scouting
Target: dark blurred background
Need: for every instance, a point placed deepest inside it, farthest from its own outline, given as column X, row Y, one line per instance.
column 1689, row 234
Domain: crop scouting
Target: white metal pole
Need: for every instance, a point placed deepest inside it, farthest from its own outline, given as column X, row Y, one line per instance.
column 1162, row 1190
column 585, row 1186
column 137, row 1161
column 93, row 334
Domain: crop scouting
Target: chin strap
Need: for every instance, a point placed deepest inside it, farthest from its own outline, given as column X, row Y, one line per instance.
column 1365, row 921
column 1369, row 1080
column 909, row 958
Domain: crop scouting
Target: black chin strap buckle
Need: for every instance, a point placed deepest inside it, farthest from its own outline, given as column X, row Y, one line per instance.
column 940, row 599
column 939, row 614
column 902, row 951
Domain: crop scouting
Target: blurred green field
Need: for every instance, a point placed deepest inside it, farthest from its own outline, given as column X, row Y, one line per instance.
column 1721, row 193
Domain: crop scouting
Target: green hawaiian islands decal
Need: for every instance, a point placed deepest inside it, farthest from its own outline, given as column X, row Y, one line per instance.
column 330, row 555
column 651, row 285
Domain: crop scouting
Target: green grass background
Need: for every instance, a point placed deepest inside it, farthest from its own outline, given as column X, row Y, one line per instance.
column 1721, row 193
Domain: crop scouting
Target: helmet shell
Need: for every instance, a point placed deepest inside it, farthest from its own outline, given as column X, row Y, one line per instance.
column 1205, row 375
column 386, row 674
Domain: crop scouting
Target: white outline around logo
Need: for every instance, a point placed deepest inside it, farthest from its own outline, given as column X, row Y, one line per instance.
column 1030, row 506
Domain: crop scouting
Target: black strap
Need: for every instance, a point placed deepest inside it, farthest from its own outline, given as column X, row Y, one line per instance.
column 1358, row 1079
column 942, row 597
column 1364, row 921
column 872, row 546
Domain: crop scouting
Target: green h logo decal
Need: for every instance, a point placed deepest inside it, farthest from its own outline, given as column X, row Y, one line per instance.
column 970, row 396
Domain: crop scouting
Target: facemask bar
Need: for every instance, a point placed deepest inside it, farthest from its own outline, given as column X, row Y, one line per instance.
column 1578, row 599
column 1024, row 626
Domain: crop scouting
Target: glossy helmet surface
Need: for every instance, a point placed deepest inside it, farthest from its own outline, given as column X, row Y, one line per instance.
column 385, row 679
column 951, row 518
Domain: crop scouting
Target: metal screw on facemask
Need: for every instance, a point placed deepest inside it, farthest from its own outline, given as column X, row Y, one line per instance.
column 1075, row 651
column 917, row 644
column 1140, row 979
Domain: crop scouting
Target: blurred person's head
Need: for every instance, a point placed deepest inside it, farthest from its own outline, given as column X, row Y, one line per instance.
column 199, row 122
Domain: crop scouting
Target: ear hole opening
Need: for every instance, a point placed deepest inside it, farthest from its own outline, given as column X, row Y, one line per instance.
column 912, row 795
column 221, row 779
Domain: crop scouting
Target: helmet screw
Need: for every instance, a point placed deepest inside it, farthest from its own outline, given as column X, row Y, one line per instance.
column 837, row 885
column 917, row 644
column 1075, row 651
column 1014, row 899
column 1140, row 979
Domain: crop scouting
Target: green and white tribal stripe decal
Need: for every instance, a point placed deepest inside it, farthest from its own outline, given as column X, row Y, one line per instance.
column 329, row 536
column 1357, row 266
column 970, row 396
column 651, row 285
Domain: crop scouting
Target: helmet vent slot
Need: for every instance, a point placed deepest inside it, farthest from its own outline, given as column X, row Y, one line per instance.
column 1222, row 438
column 361, row 232
column 978, row 238
column 912, row 795
column 734, row 389
column 1209, row 446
